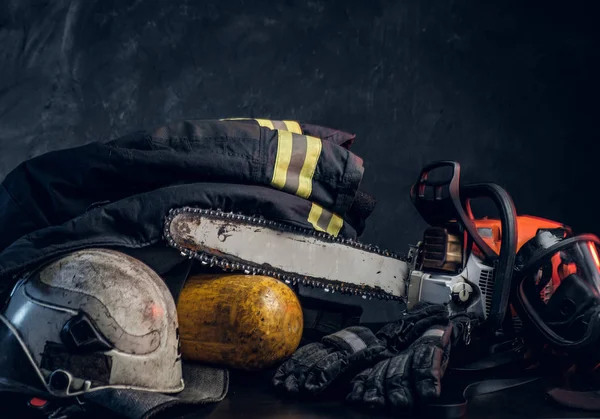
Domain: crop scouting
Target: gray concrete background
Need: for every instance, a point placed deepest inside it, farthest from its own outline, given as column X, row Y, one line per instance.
column 510, row 91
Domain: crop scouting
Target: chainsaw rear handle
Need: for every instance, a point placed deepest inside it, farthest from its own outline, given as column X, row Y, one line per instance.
column 439, row 201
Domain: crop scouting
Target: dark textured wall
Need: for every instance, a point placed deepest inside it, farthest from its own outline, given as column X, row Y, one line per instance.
column 509, row 91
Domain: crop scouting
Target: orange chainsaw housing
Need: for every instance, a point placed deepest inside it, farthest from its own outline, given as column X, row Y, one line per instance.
column 490, row 230
column 527, row 226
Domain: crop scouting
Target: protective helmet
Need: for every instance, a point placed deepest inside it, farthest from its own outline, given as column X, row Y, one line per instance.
column 557, row 289
column 91, row 320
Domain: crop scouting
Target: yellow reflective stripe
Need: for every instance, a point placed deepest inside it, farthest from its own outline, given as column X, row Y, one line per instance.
column 296, row 162
column 314, row 215
column 293, row 126
column 323, row 220
column 297, row 156
column 282, row 161
column 313, row 152
column 265, row 123
column 335, row 225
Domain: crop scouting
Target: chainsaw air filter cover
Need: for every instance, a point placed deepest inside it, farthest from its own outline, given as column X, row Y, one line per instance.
column 441, row 250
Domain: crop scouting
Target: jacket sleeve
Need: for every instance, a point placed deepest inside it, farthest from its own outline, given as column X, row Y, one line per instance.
column 321, row 171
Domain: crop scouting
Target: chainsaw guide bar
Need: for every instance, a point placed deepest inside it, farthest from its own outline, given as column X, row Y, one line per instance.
column 295, row 255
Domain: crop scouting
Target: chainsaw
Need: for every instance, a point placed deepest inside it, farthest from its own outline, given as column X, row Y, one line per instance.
column 461, row 261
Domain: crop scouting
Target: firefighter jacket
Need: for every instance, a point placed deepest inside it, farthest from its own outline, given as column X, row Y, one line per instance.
column 116, row 194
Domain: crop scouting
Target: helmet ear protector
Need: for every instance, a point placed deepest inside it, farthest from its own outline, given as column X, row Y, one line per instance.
column 557, row 289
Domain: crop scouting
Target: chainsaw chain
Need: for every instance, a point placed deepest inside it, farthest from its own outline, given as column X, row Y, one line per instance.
column 290, row 279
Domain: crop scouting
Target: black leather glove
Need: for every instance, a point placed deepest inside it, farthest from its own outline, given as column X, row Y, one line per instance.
column 414, row 376
column 315, row 367
column 340, row 356
column 413, row 323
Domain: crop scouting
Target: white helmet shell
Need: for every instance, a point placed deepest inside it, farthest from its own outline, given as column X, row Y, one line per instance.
column 91, row 320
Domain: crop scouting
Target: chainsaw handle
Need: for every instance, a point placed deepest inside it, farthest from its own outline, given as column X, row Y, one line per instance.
column 439, row 201
column 505, row 262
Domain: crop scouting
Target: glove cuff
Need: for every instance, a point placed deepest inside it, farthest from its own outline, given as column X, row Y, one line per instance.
column 436, row 333
column 352, row 339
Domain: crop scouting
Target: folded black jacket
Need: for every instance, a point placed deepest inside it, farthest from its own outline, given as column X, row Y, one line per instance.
column 117, row 193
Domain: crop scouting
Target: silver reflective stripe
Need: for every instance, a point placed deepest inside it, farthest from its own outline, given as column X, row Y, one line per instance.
column 434, row 332
column 352, row 339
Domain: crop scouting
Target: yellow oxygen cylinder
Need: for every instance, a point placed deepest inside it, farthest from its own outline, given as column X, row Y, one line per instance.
column 249, row 322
